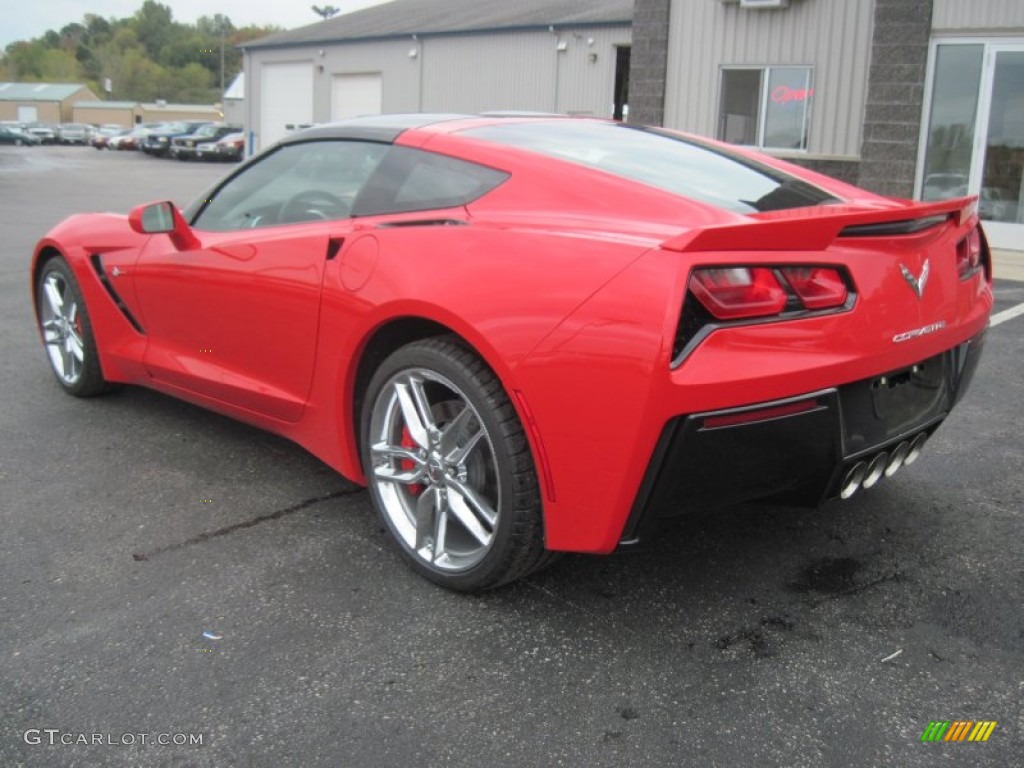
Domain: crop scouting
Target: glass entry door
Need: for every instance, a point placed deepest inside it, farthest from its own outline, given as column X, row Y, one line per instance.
column 1001, row 154
column 974, row 143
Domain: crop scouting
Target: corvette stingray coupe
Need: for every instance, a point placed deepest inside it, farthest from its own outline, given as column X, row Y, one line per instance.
column 536, row 334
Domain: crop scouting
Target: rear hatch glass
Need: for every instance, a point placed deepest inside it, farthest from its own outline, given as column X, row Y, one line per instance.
column 687, row 167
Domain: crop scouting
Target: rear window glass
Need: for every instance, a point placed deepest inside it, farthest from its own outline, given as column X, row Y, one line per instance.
column 659, row 159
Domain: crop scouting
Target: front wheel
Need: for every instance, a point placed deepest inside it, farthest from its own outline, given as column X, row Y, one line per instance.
column 66, row 331
column 449, row 467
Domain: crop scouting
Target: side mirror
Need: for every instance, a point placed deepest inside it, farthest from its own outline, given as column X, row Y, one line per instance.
column 163, row 218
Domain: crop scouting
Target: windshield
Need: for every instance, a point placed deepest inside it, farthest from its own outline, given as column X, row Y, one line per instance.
column 659, row 159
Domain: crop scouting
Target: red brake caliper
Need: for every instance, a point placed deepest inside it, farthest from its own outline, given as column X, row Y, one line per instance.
column 406, row 464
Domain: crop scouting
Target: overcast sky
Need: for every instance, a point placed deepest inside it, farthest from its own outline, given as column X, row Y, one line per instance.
column 33, row 18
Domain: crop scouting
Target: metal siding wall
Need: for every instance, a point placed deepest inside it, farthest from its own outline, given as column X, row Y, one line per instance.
column 587, row 87
column 399, row 74
column 831, row 36
column 992, row 16
column 234, row 111
column 466, row 73
column 476, row 73
column 522, row 71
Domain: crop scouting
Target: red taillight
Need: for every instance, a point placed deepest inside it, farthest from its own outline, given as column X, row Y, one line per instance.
column 734, row 292
column 817, row 287
column 968, row 254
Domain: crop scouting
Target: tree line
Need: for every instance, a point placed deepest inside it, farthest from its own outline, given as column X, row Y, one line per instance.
column 146, row 56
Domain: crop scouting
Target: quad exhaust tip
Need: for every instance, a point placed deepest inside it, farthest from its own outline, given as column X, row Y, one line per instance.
column 876, row 469
column 866, row 474
column 915, row 449
column 853, row 479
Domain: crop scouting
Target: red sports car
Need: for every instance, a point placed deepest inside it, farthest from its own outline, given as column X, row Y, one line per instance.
column 535, row 334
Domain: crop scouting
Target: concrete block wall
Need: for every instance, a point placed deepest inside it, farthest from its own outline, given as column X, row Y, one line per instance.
column 892, row 119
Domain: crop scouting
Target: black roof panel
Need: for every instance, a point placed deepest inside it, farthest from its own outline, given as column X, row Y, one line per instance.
column 382, row 128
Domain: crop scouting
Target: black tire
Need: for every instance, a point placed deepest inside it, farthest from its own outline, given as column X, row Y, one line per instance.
column 85, row 380
column 498, row 468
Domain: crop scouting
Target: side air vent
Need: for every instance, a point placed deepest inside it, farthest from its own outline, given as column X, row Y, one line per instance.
column 889, row 228
column 97, row 264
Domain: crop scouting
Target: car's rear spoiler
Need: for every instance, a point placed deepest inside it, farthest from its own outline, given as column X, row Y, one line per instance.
column 814, row 229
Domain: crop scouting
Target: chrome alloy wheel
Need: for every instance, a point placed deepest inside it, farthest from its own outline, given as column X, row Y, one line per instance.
column 433, row 466
column 61, row 324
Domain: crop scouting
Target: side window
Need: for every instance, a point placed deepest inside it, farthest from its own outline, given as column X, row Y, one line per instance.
column 414, row 180
column 766, row 107
column 312, row 181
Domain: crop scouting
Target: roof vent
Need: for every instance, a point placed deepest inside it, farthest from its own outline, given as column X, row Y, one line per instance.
column 759, row 5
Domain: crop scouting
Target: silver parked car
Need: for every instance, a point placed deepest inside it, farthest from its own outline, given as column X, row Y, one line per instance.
column 74, row 133
column 45, row 132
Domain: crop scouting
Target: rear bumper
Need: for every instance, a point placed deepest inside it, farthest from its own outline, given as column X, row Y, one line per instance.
column 797, row 450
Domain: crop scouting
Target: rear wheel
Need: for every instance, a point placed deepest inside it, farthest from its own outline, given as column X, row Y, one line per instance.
column 449, row 467
column 66, row 331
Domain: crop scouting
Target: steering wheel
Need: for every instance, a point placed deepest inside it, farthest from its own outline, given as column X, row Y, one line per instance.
column 312, row 205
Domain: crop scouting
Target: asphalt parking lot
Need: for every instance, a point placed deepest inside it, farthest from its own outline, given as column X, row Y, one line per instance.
column 764, row 636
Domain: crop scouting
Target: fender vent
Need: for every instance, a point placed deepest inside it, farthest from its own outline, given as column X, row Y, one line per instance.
column 97, row 264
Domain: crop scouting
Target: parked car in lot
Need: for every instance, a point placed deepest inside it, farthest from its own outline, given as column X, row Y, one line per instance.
column 158, row 142
column 992, row 206
column 942, row 186
column 45, row 132
column 10, row 134
column 105, row 132
column 230, row 147
column 74, row 133
column 187, row 147
column 122, row 141
column 132, row 138
column 531, row 335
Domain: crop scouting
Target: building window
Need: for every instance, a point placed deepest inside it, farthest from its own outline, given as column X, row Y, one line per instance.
column 765, row 107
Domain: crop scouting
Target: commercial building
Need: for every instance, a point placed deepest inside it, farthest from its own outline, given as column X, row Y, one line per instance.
column 233, row 104
column 913, row 98
column 128, row 113
column 568, row 56
column 123, row 113
column 42, row 102
column 160, row 111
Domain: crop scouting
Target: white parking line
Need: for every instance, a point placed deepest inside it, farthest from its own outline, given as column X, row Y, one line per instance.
column 1007, row 314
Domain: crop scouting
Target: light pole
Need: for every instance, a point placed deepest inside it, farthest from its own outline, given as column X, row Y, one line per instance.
column 222, row 57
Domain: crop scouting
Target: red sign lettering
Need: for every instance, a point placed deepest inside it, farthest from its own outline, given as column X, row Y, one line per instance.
column 784, row 94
